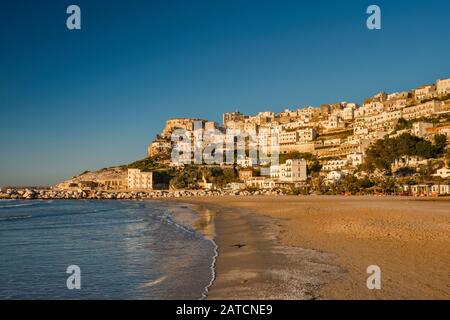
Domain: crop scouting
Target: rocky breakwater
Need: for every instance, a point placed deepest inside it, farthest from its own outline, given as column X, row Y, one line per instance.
column 47, row 194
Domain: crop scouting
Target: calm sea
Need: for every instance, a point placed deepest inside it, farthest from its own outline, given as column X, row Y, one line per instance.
column 124, row 249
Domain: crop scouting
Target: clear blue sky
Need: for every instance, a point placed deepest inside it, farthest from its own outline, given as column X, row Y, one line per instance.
column 77, row 100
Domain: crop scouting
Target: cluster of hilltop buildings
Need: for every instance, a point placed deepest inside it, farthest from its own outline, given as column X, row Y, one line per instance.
column 337, row 134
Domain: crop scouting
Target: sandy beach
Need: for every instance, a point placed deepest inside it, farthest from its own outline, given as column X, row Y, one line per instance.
column 319, row 247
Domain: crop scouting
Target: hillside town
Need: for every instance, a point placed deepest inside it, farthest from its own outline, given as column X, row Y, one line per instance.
column 393, row 143
column 328, row 143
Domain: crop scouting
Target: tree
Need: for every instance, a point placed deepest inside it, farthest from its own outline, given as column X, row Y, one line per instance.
column 383, row 152
column 402, row 124
column 350, row 184
column 314, row 166
column 440, row 142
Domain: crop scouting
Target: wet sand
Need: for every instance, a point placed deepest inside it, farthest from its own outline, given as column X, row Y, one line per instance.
column 319, row 247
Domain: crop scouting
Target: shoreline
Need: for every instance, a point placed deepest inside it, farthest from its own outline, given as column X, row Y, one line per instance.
column 319, row 247
column 252, row 264
column 49, row 194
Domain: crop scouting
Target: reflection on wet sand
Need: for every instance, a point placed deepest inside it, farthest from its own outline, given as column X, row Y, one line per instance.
column 205, row 223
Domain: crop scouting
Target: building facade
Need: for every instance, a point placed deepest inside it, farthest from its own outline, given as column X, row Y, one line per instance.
column 138, row 180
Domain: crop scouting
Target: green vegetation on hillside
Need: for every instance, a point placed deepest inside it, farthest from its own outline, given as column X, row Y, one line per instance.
column 148, row 164
column 190, row 176
column 383, row 153
column 407, row 124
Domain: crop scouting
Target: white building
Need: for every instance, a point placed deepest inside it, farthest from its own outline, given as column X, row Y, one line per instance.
column 348, row 112
column 398, row 95
column 334, row 122
column 429, row 190
column 355, row 159
column 288, row 137
column 260, row 183
column 420, row 128
column 372, row 108
column 275, row 172
column 441, row 189
column 333, row 165
column 443, row 86
column 397, row 104
column 245, row 162
column 235, row 186
column 307, row 135
column 139, row 180
column 422, row 110
column 443, row 173
column 334, row 176
column 445, row 130
column 408, row 161
column 425, row 92
column 382, row 120
column 294, row 170
column 332, row 142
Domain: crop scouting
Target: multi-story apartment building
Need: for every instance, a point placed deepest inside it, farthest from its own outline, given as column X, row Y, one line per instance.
column 445, row 130
column 294, row 170
column 408, row 161
column 372, row 108
column 380, row 97
column 333, row 122
column 245, row 174
column 355, row 159
column 211, row 126
column 348, row 113
column 287, row 137
column 397, row 104
column 385, row 120
column 245, row 162
column 260, row 183
column 357, row 145
column 298, row 147
column 332, row 142
column 425, row 92
column 232, row 117
column 138, row 180
column 443, row 87
column 360, row 130
column 359, row 113
column 294, row 125
column 307, row 135
column 420, row 128
column 113, row 184
column 422, row 110
column 336, row 164
column 398, row 95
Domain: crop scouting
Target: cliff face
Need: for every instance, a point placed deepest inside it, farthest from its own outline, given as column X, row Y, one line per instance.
column 101, row 178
